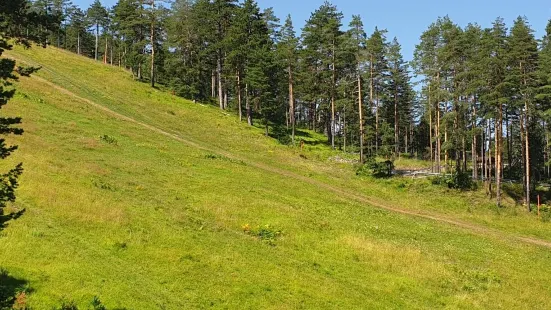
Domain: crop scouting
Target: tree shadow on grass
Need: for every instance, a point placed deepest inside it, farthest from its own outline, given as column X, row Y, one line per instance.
column 10, row 288
column 302, row 134
column 5, row 218
column 515, row 192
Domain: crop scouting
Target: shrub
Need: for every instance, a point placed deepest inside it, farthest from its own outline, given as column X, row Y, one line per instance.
column 108, row 139
column 377, row 169
column 281, row 133
column 67, row 305
column 96, row 304
column 456, row 180
column 265, row 233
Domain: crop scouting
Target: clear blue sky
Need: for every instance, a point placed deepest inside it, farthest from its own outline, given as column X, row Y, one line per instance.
column 407, row 19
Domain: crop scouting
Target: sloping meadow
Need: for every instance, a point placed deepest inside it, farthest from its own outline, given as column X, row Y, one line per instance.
column 180, row 206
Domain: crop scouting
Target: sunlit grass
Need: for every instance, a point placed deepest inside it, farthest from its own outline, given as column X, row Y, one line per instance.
column 145, row 221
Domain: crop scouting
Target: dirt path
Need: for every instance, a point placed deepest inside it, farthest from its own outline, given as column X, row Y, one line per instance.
column 473, row 228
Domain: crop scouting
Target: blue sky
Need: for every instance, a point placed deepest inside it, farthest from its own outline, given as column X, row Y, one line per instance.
column 407, row 19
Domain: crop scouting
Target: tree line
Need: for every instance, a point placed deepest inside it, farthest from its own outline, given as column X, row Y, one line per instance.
column 479, row 106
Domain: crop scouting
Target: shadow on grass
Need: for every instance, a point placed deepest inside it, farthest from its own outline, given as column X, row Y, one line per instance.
column 514, row 191
column 10, row 288
column 5, row 218
column 302, row 134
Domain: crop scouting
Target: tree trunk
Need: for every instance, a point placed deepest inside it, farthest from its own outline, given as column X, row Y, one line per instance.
column 490, row 159
column 360, row 109
column 248, row 106
column 333, row 81
column 483, row 153
column 239, row 96
column 376, row 121
column 474, row 155
column 526, row 142
column 292, row 105
column 527, row 154
column 111, row 54
column 152, row 43
column 213, row 84
column 438, row 142
column 225, row 98
column 219, row 78
column 105, row 52
column 438, row 139
column 498, row 169
column 78, row 43
column 372, row 83
column 430, row 133
column 97, row 41
column 396, row 141
column 344, row 129
column 406, row 141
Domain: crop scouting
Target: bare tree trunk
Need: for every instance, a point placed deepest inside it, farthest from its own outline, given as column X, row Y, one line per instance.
column 152, row 43
column 498, row 168
column 97, row 42
column 360, row 109
column 490, row 160
column 376, row 121
column 474, row 155
column 292, row 104
column 111, row 52
column 546, row 150
column 105, row 52
column 344, row 129
column 248, row 106
column 371, row 86
column 213, row 84
column 483, row 153
column 406, row 140
column 464, row 154
column 333, row 81
column 225, row 98
column 438, row 141
column 527, row 141
column 396, row 140
column 509, row 150
column 527, row 154
column 78, row 43
column 219, row 77
column 239, row 95
column 430, row 133
column 438, row 138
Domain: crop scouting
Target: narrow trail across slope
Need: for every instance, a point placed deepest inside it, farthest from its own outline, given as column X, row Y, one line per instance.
column 476, row 229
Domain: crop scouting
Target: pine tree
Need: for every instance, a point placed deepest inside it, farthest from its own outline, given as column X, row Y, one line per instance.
column 288, row 46
column 358, row 39
column 399, row 95
column 15, row 15
column 96, row 14
column 523, row 61
column 322, row 39
column 376, row 48
column 495, row 95
column 76, row 29
column 131, row 25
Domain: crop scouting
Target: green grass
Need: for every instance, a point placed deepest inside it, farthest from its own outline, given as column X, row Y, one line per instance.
column 145, row 221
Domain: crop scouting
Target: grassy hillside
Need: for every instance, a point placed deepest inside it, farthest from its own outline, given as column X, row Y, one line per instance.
column 149, row 201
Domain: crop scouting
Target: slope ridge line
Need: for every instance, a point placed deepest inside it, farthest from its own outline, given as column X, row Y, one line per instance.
column 474, row 228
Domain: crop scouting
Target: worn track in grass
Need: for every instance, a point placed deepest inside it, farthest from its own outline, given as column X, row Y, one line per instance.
column 473, row 228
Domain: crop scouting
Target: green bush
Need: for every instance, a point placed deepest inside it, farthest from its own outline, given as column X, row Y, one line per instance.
column 456, row 180
column 265, row 233
column 97, row 304
column 281, row 133
column 108, row 139
column 378, row 169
